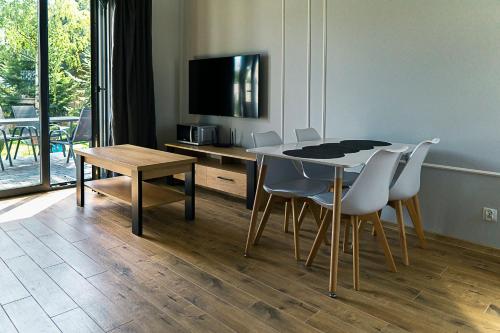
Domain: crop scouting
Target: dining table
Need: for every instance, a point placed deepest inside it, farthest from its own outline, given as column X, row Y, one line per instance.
column 309, row 151
column 54, row 120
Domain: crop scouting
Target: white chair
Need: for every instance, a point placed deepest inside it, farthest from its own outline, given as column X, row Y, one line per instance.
column 404, row 190
column 317, row 171
column 285, row 181
column 361, row 202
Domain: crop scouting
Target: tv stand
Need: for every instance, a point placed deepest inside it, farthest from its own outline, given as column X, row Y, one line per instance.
column 231, row 170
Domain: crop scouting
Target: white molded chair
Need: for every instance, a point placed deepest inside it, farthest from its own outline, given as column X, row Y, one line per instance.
column 361, row 202
column 285, row 181
column 404, row 190
column 317, row 171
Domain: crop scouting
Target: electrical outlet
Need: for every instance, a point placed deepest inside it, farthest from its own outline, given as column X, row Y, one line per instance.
column 489, row 214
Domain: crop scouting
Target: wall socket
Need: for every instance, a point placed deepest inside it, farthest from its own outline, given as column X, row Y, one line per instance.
column 489, row 214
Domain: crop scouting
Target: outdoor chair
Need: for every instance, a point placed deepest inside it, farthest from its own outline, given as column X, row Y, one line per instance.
column 81, row 133
column 18, row 134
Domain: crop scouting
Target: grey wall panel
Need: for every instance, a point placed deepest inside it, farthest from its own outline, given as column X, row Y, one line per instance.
column 296, row 67
column 166, row 61
column 407, row 70
column 316, row 96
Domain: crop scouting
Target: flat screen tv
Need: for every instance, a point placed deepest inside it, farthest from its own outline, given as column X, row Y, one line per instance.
column 227, row 86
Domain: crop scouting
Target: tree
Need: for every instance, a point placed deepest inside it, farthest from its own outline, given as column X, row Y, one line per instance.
column 69, row 54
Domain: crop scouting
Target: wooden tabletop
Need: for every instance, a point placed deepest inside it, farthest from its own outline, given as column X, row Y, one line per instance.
column 135, row 157
column 234, row 152
column 350, row 160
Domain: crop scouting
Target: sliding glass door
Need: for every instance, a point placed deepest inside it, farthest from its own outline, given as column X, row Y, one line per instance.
column 48, row 91
column 20, row 102
column 70, row 106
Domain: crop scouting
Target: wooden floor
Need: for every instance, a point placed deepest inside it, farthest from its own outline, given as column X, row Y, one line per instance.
column 82, row 270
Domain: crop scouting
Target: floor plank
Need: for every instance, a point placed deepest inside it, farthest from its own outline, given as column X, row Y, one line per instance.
column 6, row 326
column 10, row 287
column 34, row 248
column 48, row 294
column 28, row 317
column 76, row 321
column 71, row 255
column 8, row 249
column 104, row 312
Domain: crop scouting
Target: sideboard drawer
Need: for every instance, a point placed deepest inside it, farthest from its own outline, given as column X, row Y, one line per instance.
column 200, row 175
column 227, row 181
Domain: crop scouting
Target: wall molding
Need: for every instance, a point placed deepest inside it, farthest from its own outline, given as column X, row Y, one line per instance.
column 282, row 69
column 323, row 95
column 308, row 93
column 462, row 170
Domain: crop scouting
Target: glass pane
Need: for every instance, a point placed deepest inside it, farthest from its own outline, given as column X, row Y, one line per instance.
column 19, row 105
column 69, row 85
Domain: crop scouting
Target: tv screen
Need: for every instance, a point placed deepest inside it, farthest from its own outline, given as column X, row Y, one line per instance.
column 226, row 86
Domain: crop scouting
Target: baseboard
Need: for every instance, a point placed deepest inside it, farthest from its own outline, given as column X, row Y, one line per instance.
column 447, row 240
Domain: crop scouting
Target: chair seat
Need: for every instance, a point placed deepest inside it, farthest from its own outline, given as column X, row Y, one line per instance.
column 326, row 199
column 297, row 188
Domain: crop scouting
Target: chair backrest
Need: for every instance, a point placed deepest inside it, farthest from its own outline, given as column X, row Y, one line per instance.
column 307, row 134
column 312, row 169
column 83, row 130
column 278, row 169
column 407, row 183
column 370, row 191
column 24, row 111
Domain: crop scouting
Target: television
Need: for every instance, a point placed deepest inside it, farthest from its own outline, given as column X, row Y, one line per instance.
column 226, row 86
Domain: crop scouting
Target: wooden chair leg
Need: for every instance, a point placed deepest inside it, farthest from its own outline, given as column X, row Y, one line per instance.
column 256, row 206
column 383, row 242
column 317, row 217
column 417, row 223
column 263, row 221
column 287, row 217
column 355, row 251
column 345, row 244
column 325, row 223
column 295, row 219
column 402, row 232
column 303, row 213
column 374, row 232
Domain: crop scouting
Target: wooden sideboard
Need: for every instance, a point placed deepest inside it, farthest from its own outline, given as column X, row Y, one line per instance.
column 229, row 170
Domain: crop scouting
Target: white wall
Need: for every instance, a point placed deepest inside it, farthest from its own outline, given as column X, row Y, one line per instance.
column 166, row 62
column 395, row 69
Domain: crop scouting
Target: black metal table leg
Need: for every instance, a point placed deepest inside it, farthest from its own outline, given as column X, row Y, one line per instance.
column 137, row 203
column 170, row 179
column 251, row 182
column 189, row 181
column 80, row 178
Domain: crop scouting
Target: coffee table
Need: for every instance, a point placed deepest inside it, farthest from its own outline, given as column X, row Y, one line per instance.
column 137, row 164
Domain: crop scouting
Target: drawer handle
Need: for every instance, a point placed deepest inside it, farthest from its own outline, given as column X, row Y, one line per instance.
column 226, row 179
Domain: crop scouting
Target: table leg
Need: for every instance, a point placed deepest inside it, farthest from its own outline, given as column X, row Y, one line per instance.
column 334, row 258
column 256, row 206
column 137, row 202
column 80, row 178
column 189, row 205
column 251, row 182
column 170, row 178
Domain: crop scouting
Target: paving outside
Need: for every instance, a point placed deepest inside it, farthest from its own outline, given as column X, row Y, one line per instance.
column 26, row 172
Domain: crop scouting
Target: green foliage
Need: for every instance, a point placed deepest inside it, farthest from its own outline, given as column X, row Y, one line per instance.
column 69, row 54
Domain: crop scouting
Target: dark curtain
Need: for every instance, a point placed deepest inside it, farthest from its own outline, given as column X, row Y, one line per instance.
column 133, row 108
